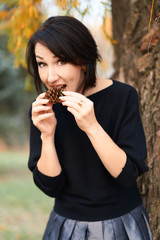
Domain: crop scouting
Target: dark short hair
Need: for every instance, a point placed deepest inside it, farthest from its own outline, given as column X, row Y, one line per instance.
column 69, row 40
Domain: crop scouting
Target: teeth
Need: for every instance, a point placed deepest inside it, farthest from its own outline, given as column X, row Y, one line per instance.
column 54, row 93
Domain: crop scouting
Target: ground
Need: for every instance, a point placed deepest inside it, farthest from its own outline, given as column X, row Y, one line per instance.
column 24, row 209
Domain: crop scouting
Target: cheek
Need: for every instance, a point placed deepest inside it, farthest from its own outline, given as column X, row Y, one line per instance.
column 42, row 74
column 74, row 73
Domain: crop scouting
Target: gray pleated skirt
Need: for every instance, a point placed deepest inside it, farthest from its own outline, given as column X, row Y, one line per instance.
column 131, row 226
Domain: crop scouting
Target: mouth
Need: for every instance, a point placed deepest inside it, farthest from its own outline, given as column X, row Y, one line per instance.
column 58, row 86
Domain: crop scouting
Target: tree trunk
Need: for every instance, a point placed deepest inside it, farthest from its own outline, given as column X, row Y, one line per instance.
column 138, row 63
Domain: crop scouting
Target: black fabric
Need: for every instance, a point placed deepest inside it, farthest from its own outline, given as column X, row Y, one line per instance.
column 85, row 190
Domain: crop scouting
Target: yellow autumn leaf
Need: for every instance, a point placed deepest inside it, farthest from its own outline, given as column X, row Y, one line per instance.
column 30, row 11
column 4, row 15
column 27, row 32
column 114, row 41
column 18, row 43
column 75, row 3
column 107, row 29
column 85, row 11
column 35, row 12
column 38, row 1
column 62, row 3
column 24, row 3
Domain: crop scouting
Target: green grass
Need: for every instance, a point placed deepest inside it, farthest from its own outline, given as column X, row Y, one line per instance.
column 24, row 209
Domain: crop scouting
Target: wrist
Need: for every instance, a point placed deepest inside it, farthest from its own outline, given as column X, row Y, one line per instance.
column 45, row 137
column 93, row 130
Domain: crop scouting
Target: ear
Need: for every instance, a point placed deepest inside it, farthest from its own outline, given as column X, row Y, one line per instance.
column 84, row 68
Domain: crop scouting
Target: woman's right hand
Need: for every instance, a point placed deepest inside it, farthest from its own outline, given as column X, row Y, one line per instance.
column 43, row 116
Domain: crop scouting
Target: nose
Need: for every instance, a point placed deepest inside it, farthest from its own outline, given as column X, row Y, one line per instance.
column 52, row 74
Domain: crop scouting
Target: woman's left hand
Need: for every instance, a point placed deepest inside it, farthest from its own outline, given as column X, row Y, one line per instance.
column 82, row 109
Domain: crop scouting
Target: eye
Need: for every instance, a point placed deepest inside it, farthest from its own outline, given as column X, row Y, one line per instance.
column 41, row 64
column 61, row 62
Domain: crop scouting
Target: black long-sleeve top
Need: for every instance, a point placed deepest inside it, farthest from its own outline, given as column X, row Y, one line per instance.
column 85, row 190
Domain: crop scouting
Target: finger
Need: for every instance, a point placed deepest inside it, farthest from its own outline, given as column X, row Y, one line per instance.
column 49, row 104
column 75, row 94
column 42, row 95
column 70, row 98
column 42, row 117
column 41, row 108
column 73, row 105
column 79, row 101
column 40, row 102
column 74, row 112
column 76, row 97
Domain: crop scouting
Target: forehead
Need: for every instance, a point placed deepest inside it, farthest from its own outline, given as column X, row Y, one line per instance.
column 42, row 50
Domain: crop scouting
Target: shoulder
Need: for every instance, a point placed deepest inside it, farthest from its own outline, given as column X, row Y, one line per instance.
column 121, row 86
column 124, row 96
column 124, row 90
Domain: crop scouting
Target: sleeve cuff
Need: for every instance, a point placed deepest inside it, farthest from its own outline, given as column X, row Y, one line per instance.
column 52, row 186
column 47, row 180
column 128, row 175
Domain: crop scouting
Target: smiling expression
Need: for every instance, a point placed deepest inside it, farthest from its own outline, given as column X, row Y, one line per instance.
column 54, row 71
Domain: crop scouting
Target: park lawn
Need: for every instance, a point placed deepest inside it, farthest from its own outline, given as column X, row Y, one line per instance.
column 24, row 209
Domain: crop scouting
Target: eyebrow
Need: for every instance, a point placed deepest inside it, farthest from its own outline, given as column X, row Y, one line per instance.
column 39, row 57
column 42, row 57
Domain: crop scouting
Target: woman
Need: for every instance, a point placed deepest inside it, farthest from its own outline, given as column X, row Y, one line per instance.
column 88, row 150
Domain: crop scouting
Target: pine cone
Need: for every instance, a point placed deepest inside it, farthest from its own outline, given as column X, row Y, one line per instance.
column 54, row 93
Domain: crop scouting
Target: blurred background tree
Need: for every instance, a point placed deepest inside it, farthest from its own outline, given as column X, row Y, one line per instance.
column 13, row 100
column 136, row 44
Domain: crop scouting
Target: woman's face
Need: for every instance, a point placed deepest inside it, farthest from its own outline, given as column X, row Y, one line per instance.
column 53, row 71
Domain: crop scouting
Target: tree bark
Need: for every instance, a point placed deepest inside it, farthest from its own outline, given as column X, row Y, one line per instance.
column 138, row 63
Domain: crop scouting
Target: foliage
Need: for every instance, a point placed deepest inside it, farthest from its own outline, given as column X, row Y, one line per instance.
column 70, row 7
column 20, row 18
column 105, row 18
column 68, row 4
